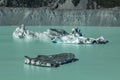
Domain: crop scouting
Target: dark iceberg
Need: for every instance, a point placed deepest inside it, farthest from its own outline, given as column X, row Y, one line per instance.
column 50, row 60
column 56, row 32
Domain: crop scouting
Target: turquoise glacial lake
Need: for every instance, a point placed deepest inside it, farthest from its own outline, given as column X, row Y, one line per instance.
column 96, row 62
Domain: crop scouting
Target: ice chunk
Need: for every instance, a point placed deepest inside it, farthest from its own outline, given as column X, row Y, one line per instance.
column 51, row 60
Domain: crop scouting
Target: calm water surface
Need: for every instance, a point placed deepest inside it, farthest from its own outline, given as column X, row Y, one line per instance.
column 96, row 62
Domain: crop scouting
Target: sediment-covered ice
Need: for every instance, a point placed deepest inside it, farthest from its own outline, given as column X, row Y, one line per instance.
column 54, row 60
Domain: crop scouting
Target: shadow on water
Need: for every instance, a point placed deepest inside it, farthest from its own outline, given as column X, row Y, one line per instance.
column 36, row 68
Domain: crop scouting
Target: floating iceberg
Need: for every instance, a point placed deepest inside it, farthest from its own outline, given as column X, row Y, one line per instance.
column 22, row 33
column 50, row 60
column 58, row 36
column 70, row 39
column 75, row 37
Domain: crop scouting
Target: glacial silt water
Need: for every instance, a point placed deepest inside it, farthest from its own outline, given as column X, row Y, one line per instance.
column 96, row 62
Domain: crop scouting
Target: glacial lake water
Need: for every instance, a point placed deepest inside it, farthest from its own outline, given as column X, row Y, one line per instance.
column 96, row 62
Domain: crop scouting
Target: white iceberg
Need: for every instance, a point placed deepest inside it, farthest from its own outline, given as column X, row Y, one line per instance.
column 76, row 37
column 58, row 36
column 71, row 39
column 22, row 33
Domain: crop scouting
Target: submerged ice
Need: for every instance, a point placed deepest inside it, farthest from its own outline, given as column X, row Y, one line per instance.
column 58, row 36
